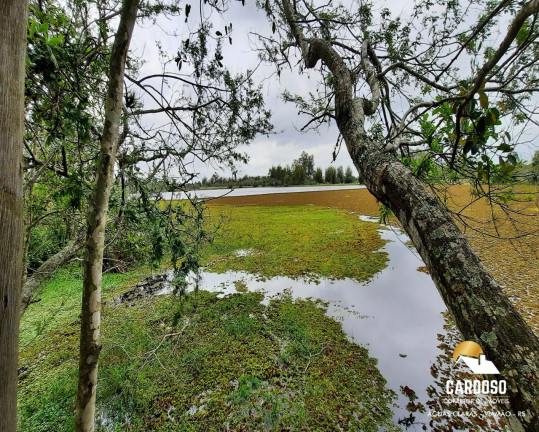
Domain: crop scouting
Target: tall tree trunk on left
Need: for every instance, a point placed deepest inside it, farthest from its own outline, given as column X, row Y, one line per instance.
column 12, row 63
column 97, row 217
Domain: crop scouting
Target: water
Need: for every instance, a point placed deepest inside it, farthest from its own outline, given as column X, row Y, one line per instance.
column 397, row 315
column 215, row 193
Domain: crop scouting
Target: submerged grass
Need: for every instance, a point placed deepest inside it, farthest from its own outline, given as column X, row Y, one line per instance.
column 299, row 242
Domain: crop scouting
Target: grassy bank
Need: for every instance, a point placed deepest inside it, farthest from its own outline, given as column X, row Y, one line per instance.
column 208, row 364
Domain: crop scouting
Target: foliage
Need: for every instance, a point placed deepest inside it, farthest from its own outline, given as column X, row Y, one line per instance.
column 68, row 59
column 318, row 175
column 454, row 101
column 300, row 172
column 330, row 175
column 307, row 162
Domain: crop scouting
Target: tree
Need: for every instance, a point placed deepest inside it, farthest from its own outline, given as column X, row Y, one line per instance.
column 97, row 217
column 318, row 175
column 307, row 162
column 46, row 269
column 349, row 51
column 219, row 112
column 330, row 175
column 298, row 175
column 348, row 175
column 12, row 63
column 66, row 67
column 277, row 173
column 340, row 175
column 534, row 175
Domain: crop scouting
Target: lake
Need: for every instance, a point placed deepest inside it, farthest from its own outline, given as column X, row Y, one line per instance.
column 217, row 193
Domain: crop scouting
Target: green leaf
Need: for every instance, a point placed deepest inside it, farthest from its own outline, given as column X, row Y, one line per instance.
column 32, row 28
column 483, row 100
column 55, row 40
column 43, row 28
column 495, row 113
column 523, row 32
column 481, row 126
column 468, row 146
column 505, row 147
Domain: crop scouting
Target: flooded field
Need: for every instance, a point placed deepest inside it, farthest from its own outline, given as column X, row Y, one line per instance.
column 397, row 315
column 511, row 257
column 309, row 316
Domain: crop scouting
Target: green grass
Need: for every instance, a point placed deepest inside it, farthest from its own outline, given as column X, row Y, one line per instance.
column 48, row 347
column 227, row 361
column 60, row 301
column 204, row 363
column 299, row 242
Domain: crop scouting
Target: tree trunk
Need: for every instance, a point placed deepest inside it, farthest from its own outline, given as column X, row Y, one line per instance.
column 28, row 191
column 482, row 312
column 12, row 63
column 97, row 216
column 47, row 268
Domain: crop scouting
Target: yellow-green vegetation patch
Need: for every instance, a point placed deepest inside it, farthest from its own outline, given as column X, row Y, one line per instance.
column 202, row 363
column 299, row 242
column 241, row 286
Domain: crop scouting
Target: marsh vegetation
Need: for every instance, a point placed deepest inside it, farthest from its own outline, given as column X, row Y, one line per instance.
column 250, row 349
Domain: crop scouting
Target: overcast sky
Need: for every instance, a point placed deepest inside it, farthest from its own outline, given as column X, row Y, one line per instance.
column 288, row 142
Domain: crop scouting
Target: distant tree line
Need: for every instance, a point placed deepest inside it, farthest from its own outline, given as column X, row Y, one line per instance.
column 301, row 171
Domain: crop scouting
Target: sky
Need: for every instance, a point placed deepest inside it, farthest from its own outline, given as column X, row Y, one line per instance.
column 287, row 142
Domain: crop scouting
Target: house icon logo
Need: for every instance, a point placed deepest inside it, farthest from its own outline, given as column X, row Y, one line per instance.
column 471, row 353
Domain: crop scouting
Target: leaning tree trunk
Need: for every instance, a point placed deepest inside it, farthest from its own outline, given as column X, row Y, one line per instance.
column 12, row 58
column 482, row 312
column 46, row 269
column 97, row 217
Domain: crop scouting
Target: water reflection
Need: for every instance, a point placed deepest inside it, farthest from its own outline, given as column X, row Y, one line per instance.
column 398, row 315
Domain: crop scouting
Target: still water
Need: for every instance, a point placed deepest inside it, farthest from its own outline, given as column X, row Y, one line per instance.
column 397, row 315
column 215, row 193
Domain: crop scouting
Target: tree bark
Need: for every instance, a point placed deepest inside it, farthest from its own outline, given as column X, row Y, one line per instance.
column 97, row 216
column 482, row 312
column 12, row 64
column 48, row 268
